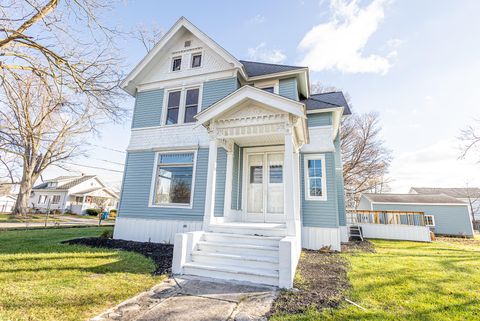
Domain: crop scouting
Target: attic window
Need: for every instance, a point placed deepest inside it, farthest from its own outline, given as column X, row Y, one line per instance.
column 188, row 43
column 196, row 60
column 177, row 63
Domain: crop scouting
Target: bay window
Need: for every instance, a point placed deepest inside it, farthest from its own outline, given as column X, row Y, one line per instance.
column 315, row 177
column 174, row 179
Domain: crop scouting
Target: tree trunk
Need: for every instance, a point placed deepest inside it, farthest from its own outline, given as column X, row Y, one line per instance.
column 23, row 197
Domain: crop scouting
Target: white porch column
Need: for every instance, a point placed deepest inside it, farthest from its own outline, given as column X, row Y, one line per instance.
column 211, row 179
column 228, row 184
column 289, row 183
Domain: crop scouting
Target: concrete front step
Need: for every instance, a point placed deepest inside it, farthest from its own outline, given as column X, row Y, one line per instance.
column 250, row 229
column 242, row 239
column 228, row 272
column 258, row 262
column 241, row 249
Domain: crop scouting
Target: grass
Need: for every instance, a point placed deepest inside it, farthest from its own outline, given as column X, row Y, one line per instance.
column 42, row 279
column 410, row 281
column 9, row 218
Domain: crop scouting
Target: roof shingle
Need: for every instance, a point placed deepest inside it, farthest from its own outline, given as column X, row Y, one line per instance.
column 413, row 198
column 473, row 192
column 327, row 100
column 254, row 68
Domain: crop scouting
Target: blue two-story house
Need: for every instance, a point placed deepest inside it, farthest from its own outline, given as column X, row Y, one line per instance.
column 235, row 162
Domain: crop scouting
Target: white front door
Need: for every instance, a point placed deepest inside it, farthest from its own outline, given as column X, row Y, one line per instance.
column 264, row 187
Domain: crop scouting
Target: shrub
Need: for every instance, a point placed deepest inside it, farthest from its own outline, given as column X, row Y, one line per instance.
column 55, row 212
column 92, row 211
column 113, row 213
column 108, row 234
column 68, row 211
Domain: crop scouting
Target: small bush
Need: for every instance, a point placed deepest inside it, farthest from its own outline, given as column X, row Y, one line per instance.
column 68, row 211
column 55, row 212
column 107, row 234
column 92, row 211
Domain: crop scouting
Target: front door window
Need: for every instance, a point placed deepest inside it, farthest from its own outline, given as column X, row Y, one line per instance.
column 265, row 187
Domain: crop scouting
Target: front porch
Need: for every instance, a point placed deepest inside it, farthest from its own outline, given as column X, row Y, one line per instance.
column 262, row 134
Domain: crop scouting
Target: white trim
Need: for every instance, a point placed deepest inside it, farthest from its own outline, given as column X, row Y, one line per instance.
column 433, row 220
column 435, row 204
column 248, row 92
column 279, row 74
column 182, row 104
column 182, row 22
column 306, row 179
column 275, row 83
column 154, row 179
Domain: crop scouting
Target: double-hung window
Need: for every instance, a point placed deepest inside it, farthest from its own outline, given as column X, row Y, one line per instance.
column 42, row 199
column 196, row 60
column 429, row 220
column 315, row 178
column 182, row 106
column 56, row 199
column 174, row 179
column 177, row 63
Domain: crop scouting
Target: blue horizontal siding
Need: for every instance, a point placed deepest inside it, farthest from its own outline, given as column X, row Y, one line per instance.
column 449, row 219
column 319, row 119
column 148, row 109
column 320, row 213
column 215, row 90
column 288, row 88
column 137, row 182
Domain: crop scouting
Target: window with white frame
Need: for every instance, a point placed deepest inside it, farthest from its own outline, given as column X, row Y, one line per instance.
column 429, row 220
column 196, row 60
column 174, row 179
column 315, row 177
column 56, row 199
column 176, row 63
column 42, row 199
column 182, row 106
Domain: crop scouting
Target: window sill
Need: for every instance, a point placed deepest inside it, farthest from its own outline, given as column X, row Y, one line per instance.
column 187, row 206
column 315, row 198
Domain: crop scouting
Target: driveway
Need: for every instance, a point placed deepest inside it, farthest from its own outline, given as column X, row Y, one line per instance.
column 195, row 299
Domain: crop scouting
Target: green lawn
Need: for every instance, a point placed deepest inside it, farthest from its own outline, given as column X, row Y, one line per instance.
column 410, row 281
column 41, row 279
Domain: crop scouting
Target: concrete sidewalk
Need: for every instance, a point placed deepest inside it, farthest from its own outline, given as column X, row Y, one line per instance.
column 194, row 298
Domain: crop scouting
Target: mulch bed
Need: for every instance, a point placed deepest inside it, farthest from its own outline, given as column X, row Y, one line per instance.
column 161, row 254
column 321, row 280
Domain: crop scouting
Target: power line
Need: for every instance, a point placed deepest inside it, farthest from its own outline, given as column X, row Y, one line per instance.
column 108, row 148
column 107, row 161
column 95, row 167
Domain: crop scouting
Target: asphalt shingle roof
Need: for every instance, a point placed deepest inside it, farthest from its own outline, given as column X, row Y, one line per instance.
column 473, row 192
column 254, row 69
column 327, row 100
column 413, row 198
column 75, row 181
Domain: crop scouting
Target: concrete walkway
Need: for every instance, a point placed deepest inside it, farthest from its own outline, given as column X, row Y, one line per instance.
column 66, row 221
column 195, row 299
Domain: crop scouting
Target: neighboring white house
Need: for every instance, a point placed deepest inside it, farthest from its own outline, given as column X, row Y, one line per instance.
column 74, row 194
column 469, row 195
column 6, row 203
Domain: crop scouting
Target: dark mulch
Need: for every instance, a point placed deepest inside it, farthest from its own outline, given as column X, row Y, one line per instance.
column 161, row 254
column 321, row 280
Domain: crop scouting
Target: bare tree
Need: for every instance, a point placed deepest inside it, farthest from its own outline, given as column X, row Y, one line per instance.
column 59, row 76
column 473, row 200
column 148, row 36
column 470, row 138
column 365, row 158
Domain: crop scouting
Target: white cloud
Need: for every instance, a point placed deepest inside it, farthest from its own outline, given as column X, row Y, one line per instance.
column 436, row 165
column 339, row 43
column 263, row 54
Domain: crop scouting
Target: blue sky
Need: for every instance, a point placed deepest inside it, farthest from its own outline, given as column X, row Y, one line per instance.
column 416, row 63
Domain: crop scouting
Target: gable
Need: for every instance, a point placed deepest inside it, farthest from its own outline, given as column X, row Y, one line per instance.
column 161, row 68
column 156, row 65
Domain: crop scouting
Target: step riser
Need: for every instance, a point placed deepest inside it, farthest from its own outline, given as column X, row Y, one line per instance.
column 249, row 231
column 239, row 240
column 199, row 258
column 240, row 251
column 231, row 276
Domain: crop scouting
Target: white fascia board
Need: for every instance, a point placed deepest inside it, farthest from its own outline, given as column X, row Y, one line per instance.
column 279, row 74
column 182, row 22
column 403, row 203
column 248, row 92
